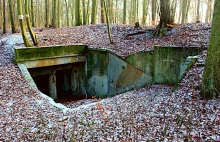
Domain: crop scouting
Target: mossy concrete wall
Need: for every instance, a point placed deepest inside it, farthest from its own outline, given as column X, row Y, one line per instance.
column 101, row 73
column 164, row 64
column 109, row 75
column 37, row 53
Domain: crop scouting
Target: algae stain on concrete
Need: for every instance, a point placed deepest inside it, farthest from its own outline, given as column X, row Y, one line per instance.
column 129, row 76
column 101, row 73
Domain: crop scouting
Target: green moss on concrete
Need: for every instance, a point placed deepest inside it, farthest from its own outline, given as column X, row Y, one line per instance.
column 36, row 53
column 97, row 63
column 143, row 61
column 165, row 63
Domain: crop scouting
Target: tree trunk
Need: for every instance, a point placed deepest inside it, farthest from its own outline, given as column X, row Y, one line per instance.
column 32, row 14
column 110, row 10
column 54, row 19
column 165, row 18
column 153, row 4
column 174, row 7
column 1, row 14
column 4, row 17
column 145, row 11
column 124, row 12
column 87, row 12
column 21, row 20
column 33, row 36
column 106, row 14
column 211, row 75
column 11, row 16
column 77, row 13
column 184, row 7
column 198, row 12
column 84, row 11
column 187, row 9
column 58, row 14
column 73, row 12
column 102, row 12
column 94, row 12
column 116, row 12
column 135, row 11
column 207, row 17
column 67, row 13
column 46, row 13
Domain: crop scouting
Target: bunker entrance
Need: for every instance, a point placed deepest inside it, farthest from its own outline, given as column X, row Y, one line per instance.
column 43, row 86
column 63, row 83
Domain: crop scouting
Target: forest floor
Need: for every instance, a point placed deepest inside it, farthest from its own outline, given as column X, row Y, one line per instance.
column 153, row 113
column 125, row 41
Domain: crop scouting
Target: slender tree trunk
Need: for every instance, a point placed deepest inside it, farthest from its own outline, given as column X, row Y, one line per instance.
column 78, row 21
column 102, row 12
column 145, row 11
column 198, row 12
column 184, row 7
column 33, row 36
column 4, row 17
column 32, row 14
column 73, row 12
column 106, row 14
column 54, row 19
column 1, row 14
column 187, row 9
column 137, row 11
column 46, row 13
column 153, row 4
column 58, row 14
column 124, row 11
column 67, row 13
column 21, row 20
column 84, row 11
column 211, row 76
column 207, row 17
column 11, row 16
column 116, row 12
column 94, row 11
column 87, row 12
column 110, row 10
column 173, row 9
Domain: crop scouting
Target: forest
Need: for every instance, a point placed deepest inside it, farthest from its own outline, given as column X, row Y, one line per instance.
column 110, row 70
column 70, row 13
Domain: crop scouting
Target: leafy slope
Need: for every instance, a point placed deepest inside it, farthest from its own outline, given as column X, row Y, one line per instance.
column 147, row 114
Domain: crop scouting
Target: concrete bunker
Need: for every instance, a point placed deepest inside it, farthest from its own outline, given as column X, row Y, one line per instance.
column 76, row 70
column 61, row 82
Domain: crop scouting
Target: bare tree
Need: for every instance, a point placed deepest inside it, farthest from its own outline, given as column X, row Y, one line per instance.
column 11, row 16
column 4, row 17
column 165, row 18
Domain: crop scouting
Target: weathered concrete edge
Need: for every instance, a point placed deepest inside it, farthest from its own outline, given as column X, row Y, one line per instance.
column 31, row 82
column 53, row 61
column 46, row 52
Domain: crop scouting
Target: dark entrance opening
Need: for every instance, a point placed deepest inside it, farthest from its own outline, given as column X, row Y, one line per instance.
column 63, row 78
column 64, row 83
column 42, row 82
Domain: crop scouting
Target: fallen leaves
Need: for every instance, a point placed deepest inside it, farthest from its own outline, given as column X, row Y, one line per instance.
column 95, row 36
column 153, row 113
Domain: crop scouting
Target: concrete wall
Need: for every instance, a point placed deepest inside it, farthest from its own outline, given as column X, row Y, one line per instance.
column 164, row 64
column 109, row 75
column 100, row 73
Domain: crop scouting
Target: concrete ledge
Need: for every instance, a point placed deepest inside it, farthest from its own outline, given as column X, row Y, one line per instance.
column 53, row 61
column 37, row 53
